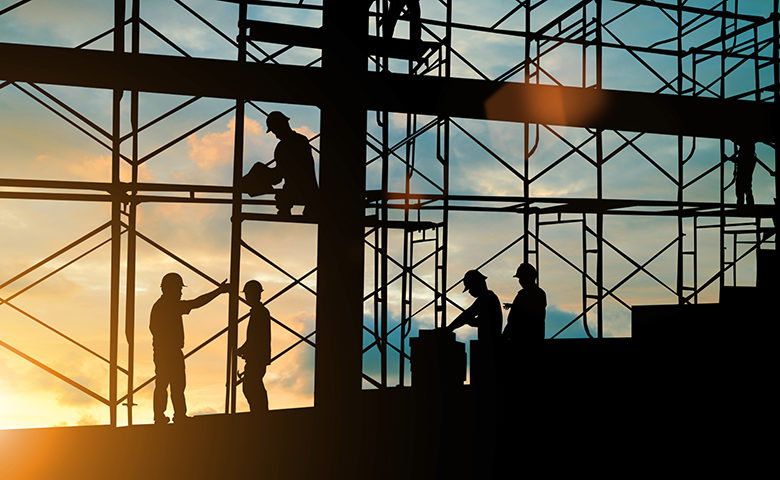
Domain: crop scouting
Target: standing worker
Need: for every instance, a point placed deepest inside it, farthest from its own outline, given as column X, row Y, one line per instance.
column 485, row 314
column 744, row 165
column 294, row 165
column 167, row 329
column 257, row 349
column 525, row 322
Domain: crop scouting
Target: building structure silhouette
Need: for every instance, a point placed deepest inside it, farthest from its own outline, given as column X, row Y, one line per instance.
column 419, row 83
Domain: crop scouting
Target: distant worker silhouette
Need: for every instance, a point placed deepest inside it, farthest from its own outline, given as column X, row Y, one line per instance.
column 485, row 314
column 744, row 164
column 257, row 348
column 525, row 321
column 394, row 13
column 167, row 329
column 294, row 165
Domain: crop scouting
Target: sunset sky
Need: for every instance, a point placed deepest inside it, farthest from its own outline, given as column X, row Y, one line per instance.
column 37, row 144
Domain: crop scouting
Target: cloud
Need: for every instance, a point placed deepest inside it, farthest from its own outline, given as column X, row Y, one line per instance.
column 213, row 149
column 88, row 168
column 59, row 23
column 88, row 419
column 11, row 221
column 32, row 397
column 204, row 411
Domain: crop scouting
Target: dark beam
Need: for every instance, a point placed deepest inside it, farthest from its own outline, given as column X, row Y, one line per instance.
column 298, row 35
column 577, row 107
column 463, row 98
column 160, row 74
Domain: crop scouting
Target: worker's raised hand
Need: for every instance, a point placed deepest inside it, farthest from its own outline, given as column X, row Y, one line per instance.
column 223, row 287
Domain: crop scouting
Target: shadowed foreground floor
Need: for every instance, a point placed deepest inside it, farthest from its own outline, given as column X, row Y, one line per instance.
column 599, row 406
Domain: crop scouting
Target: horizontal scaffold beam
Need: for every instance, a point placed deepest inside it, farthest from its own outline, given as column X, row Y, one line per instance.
column 216, row 194
column 455, row 97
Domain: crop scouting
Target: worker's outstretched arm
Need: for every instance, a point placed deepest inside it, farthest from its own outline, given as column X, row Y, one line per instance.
column 207, row 297
column 467, row 316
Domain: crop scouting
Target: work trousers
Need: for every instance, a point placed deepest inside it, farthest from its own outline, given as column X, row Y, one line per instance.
column 169, row 370
column 253, row 387
column 744, row 188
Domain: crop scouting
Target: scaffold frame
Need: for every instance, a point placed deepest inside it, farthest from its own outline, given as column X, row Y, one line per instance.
column 422, row 215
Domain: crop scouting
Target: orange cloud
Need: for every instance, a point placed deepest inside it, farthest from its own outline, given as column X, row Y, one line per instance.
column 216, row 148
column 90, row 168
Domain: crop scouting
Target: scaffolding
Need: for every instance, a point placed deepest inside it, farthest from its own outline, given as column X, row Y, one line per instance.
column 431, row 90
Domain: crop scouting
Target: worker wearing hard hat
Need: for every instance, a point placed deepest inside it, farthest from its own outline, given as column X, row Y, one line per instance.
column 525, row 321
column 484, row 314
column 257, row 348
column 294, row 165
column 167, row 329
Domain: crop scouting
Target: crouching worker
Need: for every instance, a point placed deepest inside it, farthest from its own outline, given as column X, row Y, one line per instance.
column 294, row 165
column 257, row 349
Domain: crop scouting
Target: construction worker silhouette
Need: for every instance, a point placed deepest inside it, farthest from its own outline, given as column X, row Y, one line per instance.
column 167, row 330
column 525, row 321
column 257, row 348
column 744, row 165
column 484, row 314
column 394, row 13
column 294, row 165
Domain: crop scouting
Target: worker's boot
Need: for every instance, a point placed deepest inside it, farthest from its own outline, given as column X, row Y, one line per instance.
column 181, row 419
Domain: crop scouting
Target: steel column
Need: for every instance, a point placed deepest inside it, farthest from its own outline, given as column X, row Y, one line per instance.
column 116, row 220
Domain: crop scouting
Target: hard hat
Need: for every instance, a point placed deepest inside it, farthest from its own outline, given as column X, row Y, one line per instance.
column 470, row 277
column 252, row 285
column 525, row 270
column 274, row 120
column 173, row 280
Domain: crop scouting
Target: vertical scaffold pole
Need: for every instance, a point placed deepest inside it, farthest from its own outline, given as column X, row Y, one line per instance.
column 721, row 191
column 584, row 239
column 445, row 229
column 235, row 230
column 526, row 133
column 131, row 225
column 116, row 220
column 680, row 159
column 776, row 60
column 383, row 242
column 599, row 187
